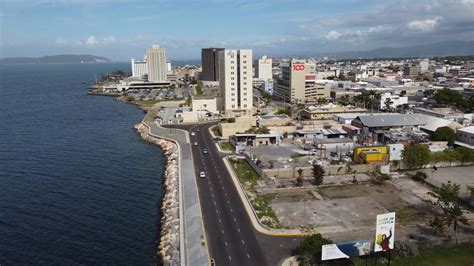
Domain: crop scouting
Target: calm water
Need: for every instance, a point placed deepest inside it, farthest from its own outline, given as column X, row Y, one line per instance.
column 77, row 186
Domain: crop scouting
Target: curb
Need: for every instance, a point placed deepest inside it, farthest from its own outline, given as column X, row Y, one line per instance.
column 261, row 228
column 183, row 242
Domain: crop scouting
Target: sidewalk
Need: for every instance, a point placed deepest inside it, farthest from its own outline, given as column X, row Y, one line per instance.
column 194, row 250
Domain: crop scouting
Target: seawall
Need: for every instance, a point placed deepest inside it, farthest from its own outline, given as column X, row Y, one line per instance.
column 168, row 248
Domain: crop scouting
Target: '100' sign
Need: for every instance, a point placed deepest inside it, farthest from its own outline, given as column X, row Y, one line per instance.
column 298, row 67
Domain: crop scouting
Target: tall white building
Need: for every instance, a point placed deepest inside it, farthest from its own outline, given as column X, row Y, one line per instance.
column 424, row 64
column 264, row 68
column 156, row 60
column 139, row 68
column 235, row 81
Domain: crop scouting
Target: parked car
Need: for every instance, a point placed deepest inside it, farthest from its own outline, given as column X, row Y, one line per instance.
column 202, row 174
column 193, row 134
column 204, row 151
column 195, row 143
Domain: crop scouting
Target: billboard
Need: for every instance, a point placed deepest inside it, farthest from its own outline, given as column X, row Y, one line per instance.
column 385, row 232
column 345, row 250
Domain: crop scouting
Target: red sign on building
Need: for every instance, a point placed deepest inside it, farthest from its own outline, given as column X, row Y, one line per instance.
column 298, row 67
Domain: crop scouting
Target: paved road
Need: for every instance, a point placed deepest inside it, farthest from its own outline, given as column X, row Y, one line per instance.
column 231, row 237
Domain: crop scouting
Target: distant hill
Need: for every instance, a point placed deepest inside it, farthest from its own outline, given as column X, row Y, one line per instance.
column 56, row 59
column 447, row 48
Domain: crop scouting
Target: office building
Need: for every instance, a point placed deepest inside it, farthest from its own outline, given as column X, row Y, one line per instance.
column 411, row 71
column 210, row 63
column 264, row 68
column 395, row 100
column 139, row 68
column 235, row 81
column 298, row 83
column 424, row 64
column 156, row 60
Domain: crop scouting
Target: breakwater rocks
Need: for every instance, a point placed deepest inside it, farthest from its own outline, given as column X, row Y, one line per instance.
column 168, row 247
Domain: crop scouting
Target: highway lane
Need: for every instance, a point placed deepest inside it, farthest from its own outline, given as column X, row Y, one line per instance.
column 230, row 235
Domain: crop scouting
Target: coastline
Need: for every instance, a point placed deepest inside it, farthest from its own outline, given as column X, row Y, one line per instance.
column 168, row 249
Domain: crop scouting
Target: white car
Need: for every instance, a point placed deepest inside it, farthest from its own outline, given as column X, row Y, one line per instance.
column 195, row 143
column 204, row 151
column 193, row 134
column 202, row 174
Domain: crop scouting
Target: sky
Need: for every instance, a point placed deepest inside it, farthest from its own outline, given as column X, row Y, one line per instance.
column 124, row 29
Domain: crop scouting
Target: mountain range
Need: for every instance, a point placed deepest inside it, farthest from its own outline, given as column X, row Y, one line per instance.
column 446, row 48
column 56, row 59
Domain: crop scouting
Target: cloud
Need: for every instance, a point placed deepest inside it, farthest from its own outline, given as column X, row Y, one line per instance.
column 61, row 41
column 91, row 40
column 424, row 25
column 109, row 40
column 333, row 35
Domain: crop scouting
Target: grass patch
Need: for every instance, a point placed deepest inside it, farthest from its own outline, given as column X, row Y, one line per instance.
column 150, row 117
column 408, row 214
column 216, row 131
column 462, row 254
column 225, row 145
column 248, row 178
column 147, row 103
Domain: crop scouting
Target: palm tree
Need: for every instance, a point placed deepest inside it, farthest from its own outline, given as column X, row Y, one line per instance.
column 439, row 226
column 318, row 174
column 455, row 216
column 388, row 104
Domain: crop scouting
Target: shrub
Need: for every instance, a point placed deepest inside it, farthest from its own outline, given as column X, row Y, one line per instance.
column 406, row 249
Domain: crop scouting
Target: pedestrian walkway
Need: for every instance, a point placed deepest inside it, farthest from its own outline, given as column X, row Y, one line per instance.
column 195, row 250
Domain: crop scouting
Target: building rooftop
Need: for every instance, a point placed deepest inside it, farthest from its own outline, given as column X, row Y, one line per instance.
column 467, row 129
column 391, row 120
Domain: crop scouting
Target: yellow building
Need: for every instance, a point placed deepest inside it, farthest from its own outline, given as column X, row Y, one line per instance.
column 371, row 154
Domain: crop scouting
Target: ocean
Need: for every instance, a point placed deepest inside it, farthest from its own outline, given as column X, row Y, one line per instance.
column 77, row 185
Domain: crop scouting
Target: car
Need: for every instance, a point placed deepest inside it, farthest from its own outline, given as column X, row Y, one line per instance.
column 193, row 134
column 202, row 174
column 198, row 130
column 195, row 143
column 204, row 151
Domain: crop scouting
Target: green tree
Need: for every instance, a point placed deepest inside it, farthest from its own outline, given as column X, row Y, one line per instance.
column 309, row 249
column 415, row 156
column 262, row 130
column 388, row 104
column 284, row 112
column 318, row 174
column 447, row 198
column 439, row 226
column 445, row 134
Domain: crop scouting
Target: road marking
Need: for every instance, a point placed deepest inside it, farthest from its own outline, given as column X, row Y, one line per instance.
column 228, row 201
column 230, row 258
column 225, row 242
column 231, row 210
column 222, row 230
column 248, row 256
column 214, row 202
column 238, row 229
column 235, row 220
column 243, row 242
column 219, row 220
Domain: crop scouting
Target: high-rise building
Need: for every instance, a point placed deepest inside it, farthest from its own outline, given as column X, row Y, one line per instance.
column 411, row 71
column 210, row 63
column 298, row 82
column 235, row 81
column 156, row 60
column 424, row 64
column 139, row 68
column 264, row 68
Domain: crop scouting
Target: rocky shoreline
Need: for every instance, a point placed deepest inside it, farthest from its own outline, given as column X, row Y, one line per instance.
column 168, row 249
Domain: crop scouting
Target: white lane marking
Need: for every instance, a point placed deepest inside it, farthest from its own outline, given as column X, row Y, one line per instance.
column 225, row 242
column 219, row 220
column 215, row 203
column 235, row 220
column 238, row 229
column 248, row 256
column 231, row 210
column 222, row 230
column 230, row 258
column 228, row 201
column 243, row 242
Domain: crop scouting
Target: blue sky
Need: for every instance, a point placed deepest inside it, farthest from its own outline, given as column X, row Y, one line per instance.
column 122, row 29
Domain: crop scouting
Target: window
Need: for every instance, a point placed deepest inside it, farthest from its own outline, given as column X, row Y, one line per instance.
column 245, row 72
column 245, row 67
column 245, row 83
column 232, row 94
column 232, row 83
column 232, row 68
column 233, row 106
column 233, row 99
column 245, row 61
column 245, row 106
